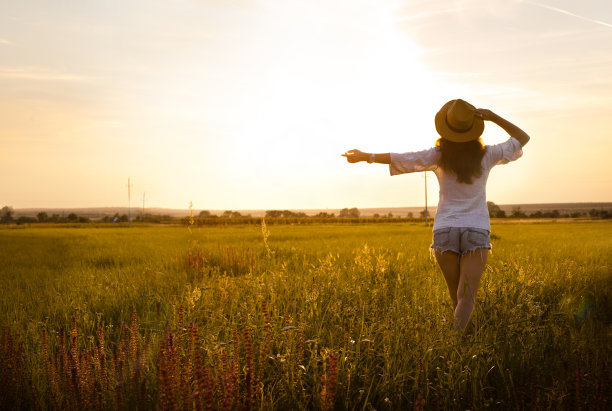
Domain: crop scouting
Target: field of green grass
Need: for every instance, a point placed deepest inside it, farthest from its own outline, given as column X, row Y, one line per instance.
column 323, row 316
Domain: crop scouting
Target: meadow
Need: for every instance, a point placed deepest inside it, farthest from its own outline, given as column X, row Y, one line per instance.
column 300, row 317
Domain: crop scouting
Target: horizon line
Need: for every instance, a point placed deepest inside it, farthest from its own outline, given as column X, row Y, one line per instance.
column 42, row 208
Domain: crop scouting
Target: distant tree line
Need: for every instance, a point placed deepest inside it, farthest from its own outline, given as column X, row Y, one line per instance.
column 7, row 216
column 496, row 212
column 346, row 215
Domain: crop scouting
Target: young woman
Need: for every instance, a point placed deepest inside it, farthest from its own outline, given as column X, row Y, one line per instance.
column 461, row 232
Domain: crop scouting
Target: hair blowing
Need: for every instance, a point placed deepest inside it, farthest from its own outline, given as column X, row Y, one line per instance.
column 462, row 159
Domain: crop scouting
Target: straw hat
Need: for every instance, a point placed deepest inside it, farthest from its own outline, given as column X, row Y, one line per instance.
column 456, row 122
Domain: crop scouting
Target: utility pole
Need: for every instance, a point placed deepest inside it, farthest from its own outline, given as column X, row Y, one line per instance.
column 143, row 202
column 129, row 186
column 426, row 213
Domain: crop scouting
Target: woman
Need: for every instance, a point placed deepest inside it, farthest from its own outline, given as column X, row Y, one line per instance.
column 461, row 232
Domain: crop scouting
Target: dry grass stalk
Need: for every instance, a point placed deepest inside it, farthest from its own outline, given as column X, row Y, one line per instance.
column 420, row 403
column 249, row 370
column 208, row 389
column 300, row 342
column 198, row 370
column 265, row 347
column 134, row 336
column 51, row 373
column 167, row 373
column 195, row 259
column 12, row 379
column 329, row 383
column 179, row 326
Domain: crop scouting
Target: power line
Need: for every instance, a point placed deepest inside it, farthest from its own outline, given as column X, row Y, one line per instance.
column 129, row 186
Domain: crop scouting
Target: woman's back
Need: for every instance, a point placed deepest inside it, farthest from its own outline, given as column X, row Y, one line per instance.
column 460, row 204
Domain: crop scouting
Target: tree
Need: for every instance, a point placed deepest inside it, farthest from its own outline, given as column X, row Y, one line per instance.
column 517, row 213
column 72, row 217
column 42, row 217
column 495, row 211
column 323, row 214
column 424, row 213
column 7, row 215
column 493, row 208
column 204, row 214
column 349, row 213
column 410, row 215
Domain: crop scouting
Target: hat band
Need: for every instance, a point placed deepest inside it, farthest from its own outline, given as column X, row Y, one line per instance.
column 456, row 130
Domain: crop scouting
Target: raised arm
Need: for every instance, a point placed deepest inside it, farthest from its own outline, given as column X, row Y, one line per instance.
column 508, row 127
column 355, row 156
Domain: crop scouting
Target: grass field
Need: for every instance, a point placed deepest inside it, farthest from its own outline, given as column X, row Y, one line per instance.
column 325, row 316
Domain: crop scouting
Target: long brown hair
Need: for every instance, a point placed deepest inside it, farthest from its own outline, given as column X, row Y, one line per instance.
column 462, row 159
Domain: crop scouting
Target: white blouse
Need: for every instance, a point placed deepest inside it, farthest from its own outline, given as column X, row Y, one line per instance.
column 461, row 204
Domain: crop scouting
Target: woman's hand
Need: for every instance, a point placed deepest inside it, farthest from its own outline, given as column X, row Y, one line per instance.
column 510, row 128
column 485, row 114
column 355, row 156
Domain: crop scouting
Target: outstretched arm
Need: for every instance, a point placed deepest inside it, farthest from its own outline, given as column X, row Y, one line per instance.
column 510, row 128
column 355, row 156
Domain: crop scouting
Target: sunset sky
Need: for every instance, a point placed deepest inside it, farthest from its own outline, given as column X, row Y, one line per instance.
column 248, row 104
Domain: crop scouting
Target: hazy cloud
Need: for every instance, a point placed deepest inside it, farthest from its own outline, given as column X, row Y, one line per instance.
column 569, row 13
column 6, row 42
column 30, row 73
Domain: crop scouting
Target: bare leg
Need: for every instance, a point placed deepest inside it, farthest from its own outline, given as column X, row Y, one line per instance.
column 471, row 267
column 449, row 264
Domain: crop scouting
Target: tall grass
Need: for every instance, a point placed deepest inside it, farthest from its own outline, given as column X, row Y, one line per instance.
column 327, row 317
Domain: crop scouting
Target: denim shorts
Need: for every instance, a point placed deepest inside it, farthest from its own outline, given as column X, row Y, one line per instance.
column 460, row 239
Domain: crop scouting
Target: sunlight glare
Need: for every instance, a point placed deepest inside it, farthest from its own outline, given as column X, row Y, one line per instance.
column 362, row 86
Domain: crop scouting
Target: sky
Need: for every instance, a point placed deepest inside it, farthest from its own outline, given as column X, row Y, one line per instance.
column 233, row 104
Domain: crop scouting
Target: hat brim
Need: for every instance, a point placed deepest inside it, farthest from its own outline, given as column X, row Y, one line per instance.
column 458, row 137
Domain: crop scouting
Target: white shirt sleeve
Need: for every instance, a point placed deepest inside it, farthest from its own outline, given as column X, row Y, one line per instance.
column 426, row 160
column 504, row 153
